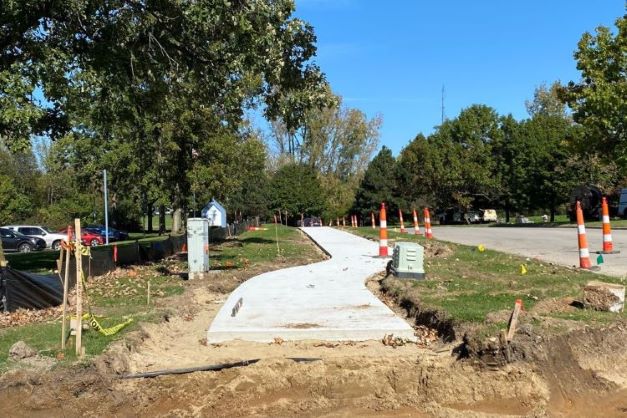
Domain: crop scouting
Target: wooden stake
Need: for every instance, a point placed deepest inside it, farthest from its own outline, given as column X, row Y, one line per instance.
column 66, row 279
column 79, row 289
column 60, row 261
column 148, row 294
column 514, row 319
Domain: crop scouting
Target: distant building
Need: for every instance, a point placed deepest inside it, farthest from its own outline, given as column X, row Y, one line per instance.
column 215, row 213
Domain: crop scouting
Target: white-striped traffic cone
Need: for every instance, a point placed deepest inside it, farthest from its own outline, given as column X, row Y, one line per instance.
column 584, row 253
column 416, row 224
column 383, row 232
column 608, row 245
column 400, row 217
column 428, row 232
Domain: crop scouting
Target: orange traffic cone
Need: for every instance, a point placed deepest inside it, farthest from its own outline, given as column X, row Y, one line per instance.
column 400, row 217
column 383, row 232
column 428, row 233
column 184, row 249
column 416, row 224
column 608, row 245
column 372, row 219
column 584, row 254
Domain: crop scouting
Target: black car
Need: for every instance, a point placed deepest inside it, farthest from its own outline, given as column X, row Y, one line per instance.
column 14, row 241
column 310, row 222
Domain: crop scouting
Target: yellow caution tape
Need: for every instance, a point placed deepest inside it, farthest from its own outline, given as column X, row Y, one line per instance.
column 85, row 250
column 93, row 322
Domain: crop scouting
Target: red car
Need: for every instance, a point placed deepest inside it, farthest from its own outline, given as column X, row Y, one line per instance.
column 87, row 238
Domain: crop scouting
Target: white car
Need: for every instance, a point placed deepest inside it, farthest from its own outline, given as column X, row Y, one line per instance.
column 53, row 239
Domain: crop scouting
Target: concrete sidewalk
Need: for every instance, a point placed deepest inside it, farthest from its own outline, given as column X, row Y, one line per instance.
column 324, row 301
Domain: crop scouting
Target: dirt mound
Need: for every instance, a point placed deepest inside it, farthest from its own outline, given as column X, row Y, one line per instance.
column 435, row 386
column 437, row 249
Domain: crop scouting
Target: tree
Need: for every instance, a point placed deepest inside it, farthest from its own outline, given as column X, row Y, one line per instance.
column 546, row 101
column 14, row 206
column 598, row 99
column 417, row 172
column 513, row 166
column 296, row 190
column 378, row 185
column 123, row 75
column 546, row 154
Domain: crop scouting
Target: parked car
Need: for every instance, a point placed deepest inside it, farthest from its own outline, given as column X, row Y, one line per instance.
column 114, row 234
column 87, row 237
column 313, row 221
column 450, row 216
column 472, row 217
column 590, row 199
column 622, row 203
column 14, row 241
column 488, row 215
column 52, row 239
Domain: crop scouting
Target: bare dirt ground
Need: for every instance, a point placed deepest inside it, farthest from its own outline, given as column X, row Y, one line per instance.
column 581, row 374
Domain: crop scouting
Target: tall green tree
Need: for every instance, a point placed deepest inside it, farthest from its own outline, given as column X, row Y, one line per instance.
column 598, row 100
column 296, row 190
column 120, row 73
column 378, row 185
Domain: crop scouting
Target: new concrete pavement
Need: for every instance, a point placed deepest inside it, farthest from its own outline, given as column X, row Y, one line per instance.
column 557, row 245
column 325, row 301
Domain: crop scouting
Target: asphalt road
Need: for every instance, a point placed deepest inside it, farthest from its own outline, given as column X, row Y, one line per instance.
column 557, row 245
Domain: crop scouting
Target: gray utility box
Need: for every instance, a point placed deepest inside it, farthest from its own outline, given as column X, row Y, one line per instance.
column 408, row 261
column 197, row 247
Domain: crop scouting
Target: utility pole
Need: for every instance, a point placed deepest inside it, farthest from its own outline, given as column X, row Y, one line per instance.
column 106, row 207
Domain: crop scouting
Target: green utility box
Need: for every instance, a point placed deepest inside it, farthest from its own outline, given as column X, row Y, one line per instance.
column 408, row 261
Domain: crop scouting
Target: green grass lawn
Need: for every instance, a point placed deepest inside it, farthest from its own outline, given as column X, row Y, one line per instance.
column 116, row 298
column 257, row 246
column 468, row 284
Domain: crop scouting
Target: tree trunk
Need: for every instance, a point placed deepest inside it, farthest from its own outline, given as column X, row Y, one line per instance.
column 149, row 227
column 177, row 221
column 161, row 219
column 552, row 213
column 507, row 213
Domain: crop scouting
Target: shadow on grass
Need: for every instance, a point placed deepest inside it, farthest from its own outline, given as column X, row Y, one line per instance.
column 33, row 261
column 256, row 240
column 223, row 262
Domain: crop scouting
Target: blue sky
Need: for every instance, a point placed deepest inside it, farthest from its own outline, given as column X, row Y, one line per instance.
column 392, row 57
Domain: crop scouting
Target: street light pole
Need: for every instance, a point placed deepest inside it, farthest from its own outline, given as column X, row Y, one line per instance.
column 106, row 205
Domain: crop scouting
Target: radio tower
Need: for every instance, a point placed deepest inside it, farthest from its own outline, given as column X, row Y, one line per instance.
column 443, row 95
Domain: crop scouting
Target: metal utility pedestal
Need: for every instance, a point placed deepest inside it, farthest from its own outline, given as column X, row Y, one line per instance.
column 197, row 247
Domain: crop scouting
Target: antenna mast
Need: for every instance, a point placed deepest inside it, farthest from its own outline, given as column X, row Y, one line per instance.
column 443, row 95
